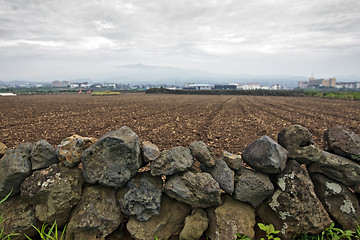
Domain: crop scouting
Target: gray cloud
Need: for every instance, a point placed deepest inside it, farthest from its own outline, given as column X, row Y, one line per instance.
column 217, row 35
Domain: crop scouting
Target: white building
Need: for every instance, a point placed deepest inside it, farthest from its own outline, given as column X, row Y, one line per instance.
column 348, row 85
column 199, row 86
column 249, row 86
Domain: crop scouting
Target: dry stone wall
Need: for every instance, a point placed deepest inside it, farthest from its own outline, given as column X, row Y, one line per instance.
column 118, row 186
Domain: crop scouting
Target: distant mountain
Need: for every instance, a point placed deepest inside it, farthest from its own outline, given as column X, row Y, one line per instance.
column 145, row 74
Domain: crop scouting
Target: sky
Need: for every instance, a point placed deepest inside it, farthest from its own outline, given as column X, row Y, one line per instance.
column 59, row 40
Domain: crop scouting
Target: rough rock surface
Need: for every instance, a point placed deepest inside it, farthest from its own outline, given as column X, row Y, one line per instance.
column 337, row 168
column 195, row 225
column 172, row 161
column 3, row 149
column 265, row 155
column 195, row 189
column 342, row 141
column 43, row 155
column 230, row 218
column 20, row 216
column 70, row 149
column 114, row 159
column 338, row 201
column 141, row 197
column 222, row 174
column 168, row 223
column 96, row 215
column 53, row 191
column 252, row 187
column 15, row 166
column 297, row 140
column 294, row 207
column 202, row 153
column 150, row 151
column 232, row 160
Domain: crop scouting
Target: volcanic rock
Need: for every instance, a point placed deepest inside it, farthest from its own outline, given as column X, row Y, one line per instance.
column 195, row 189
column 232, row 160
column 3, row 149
column 141, row 197
column 15, row 166
column 202, row 153
column 177, row 159
column 195, row 225
column 265, row 155
column 71, row 148
column 114, row 159
column 96, row 215
column 168, row 223
column 252, row 187
column 43, row 155
column 230, row 218
column 342, row 141
column 150, row 151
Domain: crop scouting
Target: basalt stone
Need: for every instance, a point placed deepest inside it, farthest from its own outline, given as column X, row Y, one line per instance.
column 265, row 155
column 294, row 207
column 342, row 141
column 338, row 201
column 19, row 218
column 53, row 191
column 232, row 160
column 114, row 159
column 252, row 187
column 222, row 174
column 71, row 148
column 168, row 223
column 175, row 160
column 15, row 166
column 141, row 197
column 96, row 215
column 195, row 225
column 195, row 189
column 337, row 168
column 3, row 149
column 202, row 153
column 230, row 218
column 150, row 151
column 297, row 140
column 43, row 155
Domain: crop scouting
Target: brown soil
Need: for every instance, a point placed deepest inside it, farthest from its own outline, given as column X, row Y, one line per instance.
column 223, row 122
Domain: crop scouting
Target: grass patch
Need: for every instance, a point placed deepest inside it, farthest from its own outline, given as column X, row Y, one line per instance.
column 351, row 95
column 105, row 93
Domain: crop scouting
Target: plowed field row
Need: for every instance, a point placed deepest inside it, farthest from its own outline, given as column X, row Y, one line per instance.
column 223, row 122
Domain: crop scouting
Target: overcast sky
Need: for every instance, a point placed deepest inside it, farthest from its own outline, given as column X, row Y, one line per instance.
column 69, row 39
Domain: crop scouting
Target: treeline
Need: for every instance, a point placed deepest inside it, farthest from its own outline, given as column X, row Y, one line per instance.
column 256, row 92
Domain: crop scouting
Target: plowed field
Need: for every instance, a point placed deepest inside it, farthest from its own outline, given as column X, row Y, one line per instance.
column 223, row 122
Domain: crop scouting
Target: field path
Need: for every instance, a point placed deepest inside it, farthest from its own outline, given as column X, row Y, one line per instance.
column 223, row 122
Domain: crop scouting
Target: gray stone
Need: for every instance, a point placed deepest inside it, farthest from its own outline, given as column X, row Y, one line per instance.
column 232, row 160
column 15, row 166
column 19, row 217
column 342, row 141
column 168, row 223
column 150, row 151
column 202, row 153
column 294, row 208
column 195, row 225
column 43, row 155
column 338, row 201
column 297, row 140
column 53, row 191
column 71, row 148
column 252, row 187
column 177, row 159
column 265, row 155
column 337, row 168
column 3, row 149
column 222, row 174
column 230, row 218
column 141, row 197
column 114, row 159
column 96, row 215
column 195, row 189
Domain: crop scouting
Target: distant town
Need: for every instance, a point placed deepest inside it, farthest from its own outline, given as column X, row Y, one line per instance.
column 312, row 83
